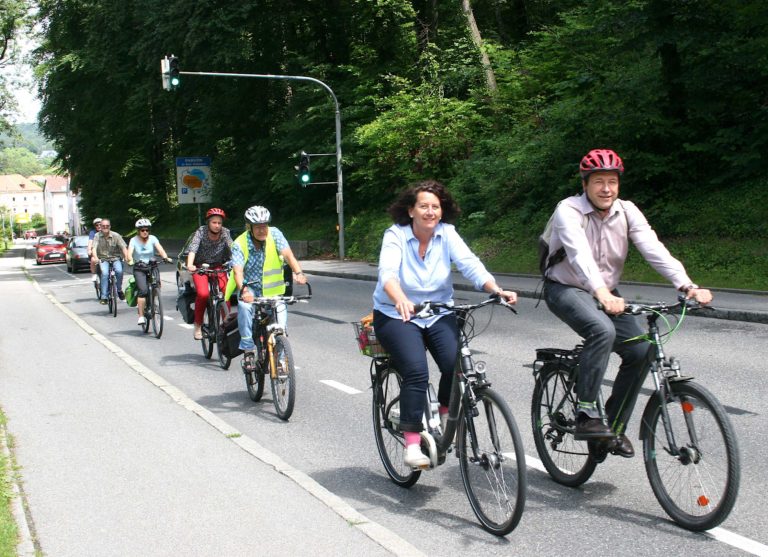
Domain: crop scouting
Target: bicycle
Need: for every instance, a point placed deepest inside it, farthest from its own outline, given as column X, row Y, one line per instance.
column 272, row 354
column 153, row 307
column 215, row 312
column 112, row 298
column 689, row 446
column 487, row 439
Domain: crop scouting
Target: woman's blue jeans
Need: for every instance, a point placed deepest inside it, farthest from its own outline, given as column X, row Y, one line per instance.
column 406, row 345
column 602, row 334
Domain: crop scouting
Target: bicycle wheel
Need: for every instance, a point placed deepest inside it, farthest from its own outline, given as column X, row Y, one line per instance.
column 495, row 476
column 283, row 380
column 221, row 312
column 254, row 382
column 156, row 312
column 209, row 332
column 698, row 487
column 113, row 297
column 553, row 417
column 389, row 441
column 97, row 286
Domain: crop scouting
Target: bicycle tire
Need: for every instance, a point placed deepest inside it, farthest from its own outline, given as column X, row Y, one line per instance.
column 495, row 479
column 221, row 312
column 389, row 441
column 209, row 332
column 97, row 287
column 553, row 418
column 156, row 312
column 698, row 488
column 113, row 296
column 283, row 380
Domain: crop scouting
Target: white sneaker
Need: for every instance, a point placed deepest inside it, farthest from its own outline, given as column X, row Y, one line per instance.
column 415, row 458
column 142, row 320
column 95, row 277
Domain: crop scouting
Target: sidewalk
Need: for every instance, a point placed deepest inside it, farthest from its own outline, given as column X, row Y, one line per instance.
column 115, row 461
column 745, row 305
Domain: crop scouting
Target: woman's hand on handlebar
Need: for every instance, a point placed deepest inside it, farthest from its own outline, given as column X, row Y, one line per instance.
column 405, row 308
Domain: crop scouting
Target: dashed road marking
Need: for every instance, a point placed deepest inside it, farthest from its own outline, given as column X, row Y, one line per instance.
column 341, row 386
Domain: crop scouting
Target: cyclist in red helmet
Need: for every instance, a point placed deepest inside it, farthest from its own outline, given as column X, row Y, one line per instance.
column 595, row 229
column 211, row 244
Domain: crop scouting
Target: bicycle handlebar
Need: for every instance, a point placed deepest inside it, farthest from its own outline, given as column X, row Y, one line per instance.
column 662, row 307
column 290, row 300
column 427, row 308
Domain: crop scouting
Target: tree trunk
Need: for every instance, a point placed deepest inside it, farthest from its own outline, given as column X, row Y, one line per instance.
column 490, row 77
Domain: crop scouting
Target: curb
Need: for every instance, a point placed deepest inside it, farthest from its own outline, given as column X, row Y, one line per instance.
column 25, row 546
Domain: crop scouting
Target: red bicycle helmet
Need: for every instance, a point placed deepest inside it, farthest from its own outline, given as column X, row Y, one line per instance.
column 215, row 212
column 598, row 160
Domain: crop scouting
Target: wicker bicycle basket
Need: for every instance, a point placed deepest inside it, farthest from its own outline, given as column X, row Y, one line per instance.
column 367, row 342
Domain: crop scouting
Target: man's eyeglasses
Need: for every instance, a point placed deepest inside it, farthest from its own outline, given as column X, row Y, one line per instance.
column 143, row 229
column 106, row 225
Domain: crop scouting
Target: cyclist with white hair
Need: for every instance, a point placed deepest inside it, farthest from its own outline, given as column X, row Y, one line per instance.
column 141, row 249
column 258, row 255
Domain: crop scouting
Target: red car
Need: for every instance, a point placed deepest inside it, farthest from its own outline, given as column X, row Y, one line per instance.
column 51, row 249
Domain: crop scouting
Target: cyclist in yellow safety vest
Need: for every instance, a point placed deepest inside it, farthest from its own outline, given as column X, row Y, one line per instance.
column 257, row 260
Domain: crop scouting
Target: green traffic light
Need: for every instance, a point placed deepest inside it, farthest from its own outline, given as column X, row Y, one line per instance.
column 305, row 178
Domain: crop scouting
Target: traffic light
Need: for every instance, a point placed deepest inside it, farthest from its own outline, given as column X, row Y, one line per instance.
column 173, row 72
column 304, row 177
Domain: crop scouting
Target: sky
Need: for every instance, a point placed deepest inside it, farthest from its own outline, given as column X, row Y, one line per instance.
column 25, row 93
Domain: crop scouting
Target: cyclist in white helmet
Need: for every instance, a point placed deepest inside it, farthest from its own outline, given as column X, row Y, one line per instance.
column 141, row 249
column 258, row 255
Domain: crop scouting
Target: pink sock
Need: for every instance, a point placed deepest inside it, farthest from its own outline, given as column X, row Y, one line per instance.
column 411, row 438
column 442, row 410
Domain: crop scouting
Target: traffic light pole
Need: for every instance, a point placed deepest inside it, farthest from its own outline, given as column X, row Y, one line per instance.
column 339, row 178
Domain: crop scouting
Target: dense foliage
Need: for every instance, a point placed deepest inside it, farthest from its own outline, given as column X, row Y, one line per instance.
column 677, row 87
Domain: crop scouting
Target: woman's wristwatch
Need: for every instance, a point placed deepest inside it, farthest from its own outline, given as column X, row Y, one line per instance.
column 688, row 287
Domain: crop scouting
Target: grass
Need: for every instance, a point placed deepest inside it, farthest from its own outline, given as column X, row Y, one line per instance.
column 8, row 531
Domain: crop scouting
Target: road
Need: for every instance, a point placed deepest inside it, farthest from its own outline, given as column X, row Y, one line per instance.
column 330, row 437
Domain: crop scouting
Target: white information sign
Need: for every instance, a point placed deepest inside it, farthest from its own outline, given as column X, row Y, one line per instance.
column 193, row 179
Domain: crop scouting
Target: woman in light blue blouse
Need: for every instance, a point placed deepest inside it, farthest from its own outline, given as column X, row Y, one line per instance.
column 141, row 249
column 414, row 266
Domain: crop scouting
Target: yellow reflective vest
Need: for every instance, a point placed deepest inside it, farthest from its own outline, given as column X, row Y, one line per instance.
column 272, row 282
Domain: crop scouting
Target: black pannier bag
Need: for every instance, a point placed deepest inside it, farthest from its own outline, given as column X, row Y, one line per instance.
column 230, row 345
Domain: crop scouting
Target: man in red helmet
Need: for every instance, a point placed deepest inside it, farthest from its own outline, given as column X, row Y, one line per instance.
column 592, row 232
column 211, row 244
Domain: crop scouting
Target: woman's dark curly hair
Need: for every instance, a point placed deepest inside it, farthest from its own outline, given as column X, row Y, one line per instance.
column 399, row 209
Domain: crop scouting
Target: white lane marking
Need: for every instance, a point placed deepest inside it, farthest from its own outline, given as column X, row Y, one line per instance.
column 341, row 386
column 186, row 325
column 737, row 541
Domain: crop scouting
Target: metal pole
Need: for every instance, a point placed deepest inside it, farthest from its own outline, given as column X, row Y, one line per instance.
column 339, row 177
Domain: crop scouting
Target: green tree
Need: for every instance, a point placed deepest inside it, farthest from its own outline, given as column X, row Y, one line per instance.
column 18, row 160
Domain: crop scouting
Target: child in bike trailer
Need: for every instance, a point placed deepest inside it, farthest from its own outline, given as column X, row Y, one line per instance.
column 592, row 231
column 142, row 248
column 109, row 244
column 257, row 259
column 414, row 266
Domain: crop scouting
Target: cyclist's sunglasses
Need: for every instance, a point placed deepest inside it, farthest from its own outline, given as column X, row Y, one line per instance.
column 143, row 229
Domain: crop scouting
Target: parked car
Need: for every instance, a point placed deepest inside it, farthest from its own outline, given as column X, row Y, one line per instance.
column 50, row 249
column 77, row 254
column 30, row 234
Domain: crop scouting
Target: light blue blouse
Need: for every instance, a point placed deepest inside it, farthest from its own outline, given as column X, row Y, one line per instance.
column 428, row 278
